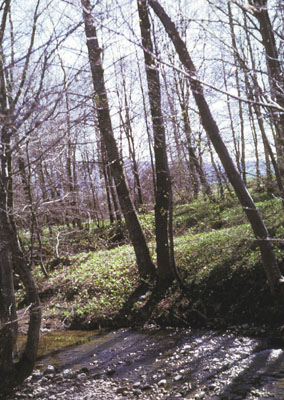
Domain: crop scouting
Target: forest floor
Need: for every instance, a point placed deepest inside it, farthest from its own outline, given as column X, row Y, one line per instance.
column 93, row 272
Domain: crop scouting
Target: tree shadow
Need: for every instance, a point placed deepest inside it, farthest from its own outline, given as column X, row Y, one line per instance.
column 265, row 367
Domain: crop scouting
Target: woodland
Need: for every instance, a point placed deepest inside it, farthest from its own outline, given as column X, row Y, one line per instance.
column 126, row 129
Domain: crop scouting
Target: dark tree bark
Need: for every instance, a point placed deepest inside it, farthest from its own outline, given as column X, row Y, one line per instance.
column 253, row 93
column 34, row 224
column 237, row 78
column 275, row 72
column 11, row 256
column 273, row 273
column 163, row 179
column 192, row 155
column 127, row 128
column 145, row 265
column 11, row 374
column 71, row 184
column 179, row 159
column 147, row 128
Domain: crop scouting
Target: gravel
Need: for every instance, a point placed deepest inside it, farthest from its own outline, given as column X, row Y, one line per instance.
column 168, row 365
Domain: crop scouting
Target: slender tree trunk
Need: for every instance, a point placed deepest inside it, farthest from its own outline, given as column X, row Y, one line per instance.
column 236, row 142
column 71, row 161
column 217, row 172
column 237, row 78
column 256, row 151
column 163, row 180
column 147, row 129
column 273, row 273
column 188, row 147
column 12, row 374
column 117, row 213
column 95, row 207
column 109, row 204
column 145, row 265
column 131, row 145
column 8, row 316
column 34, row 225
column 253, row 94
column 192, row 154
column 179, row 158
column 275, row 72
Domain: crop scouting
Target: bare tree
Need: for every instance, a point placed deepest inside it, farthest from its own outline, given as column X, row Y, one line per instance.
column 274, row 70
column 12, row 374
column 273, row 273
column 163, row 179
column 26, row 103
column 145, row 266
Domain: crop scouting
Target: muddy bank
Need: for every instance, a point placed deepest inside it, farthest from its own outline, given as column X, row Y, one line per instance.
column 159, row 364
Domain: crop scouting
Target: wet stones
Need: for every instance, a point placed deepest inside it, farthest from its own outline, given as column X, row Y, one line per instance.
column 49, row 370
column 194, row 365
column 122, row 390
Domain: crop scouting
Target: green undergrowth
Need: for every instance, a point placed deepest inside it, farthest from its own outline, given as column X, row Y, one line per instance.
column 95, row 285
column 217, row 257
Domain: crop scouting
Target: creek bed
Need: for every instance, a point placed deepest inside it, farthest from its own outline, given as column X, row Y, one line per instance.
column 157, row 364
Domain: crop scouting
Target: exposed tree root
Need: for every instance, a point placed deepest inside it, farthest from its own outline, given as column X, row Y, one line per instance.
column 141, row 316
column 124, row 316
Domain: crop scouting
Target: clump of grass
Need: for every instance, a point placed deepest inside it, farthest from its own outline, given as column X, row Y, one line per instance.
column 94, row 285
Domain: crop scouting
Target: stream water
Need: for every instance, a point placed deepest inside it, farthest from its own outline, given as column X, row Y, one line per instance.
column 185, row 363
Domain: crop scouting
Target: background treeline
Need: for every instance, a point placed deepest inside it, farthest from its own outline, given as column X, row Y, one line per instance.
column 60, row 169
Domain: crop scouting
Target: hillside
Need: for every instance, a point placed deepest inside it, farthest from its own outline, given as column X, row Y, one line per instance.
column 94, row 271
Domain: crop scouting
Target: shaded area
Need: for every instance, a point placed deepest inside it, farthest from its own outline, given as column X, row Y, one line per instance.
column 190, row 362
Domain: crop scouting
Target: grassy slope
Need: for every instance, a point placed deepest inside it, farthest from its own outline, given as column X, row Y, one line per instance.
column 216, row 255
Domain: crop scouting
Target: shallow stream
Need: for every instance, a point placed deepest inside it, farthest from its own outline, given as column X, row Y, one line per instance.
column 185, row 363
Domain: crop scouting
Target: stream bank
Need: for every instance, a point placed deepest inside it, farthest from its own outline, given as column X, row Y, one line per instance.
column 159, row 364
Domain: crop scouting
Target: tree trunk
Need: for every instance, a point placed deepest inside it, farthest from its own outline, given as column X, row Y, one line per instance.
column 34, row 225
column 8, row 316
column 12, row 374
column 253, row 91
column 237, row 78
column 274, row 70
column 236, row 142
column 163, row 180
column 145, row 265
column 273, row 273
column 147, row 129
column 126, row 124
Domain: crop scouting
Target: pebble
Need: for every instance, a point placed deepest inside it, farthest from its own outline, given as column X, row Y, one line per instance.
column 146, row 387
column 49, row 370
column 81, row 376
column 200, row 396
column 122, row 389
column 67, row 373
